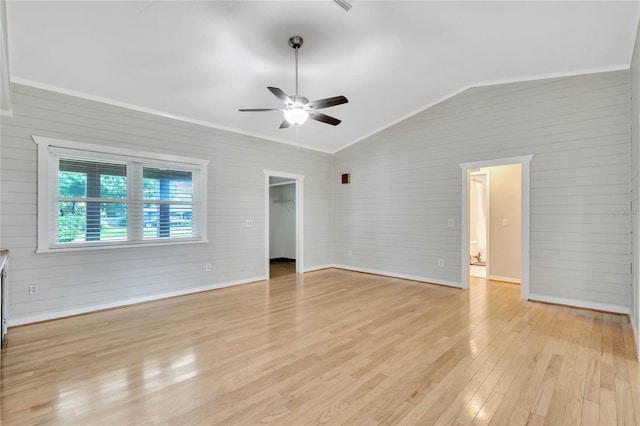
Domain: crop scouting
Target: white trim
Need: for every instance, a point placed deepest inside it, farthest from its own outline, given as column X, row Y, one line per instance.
column 525, row 173
column 299, row 182
column 449, row 95
column 88, row 309
column 47, row 147
column 4, row 292
column 44, row 172
column 505, row 279
column 384, row 273
column 293, row 177
column 634, row 328
column 5, row 84
column 282, row 183
column 155, row 112
column 109, row 150
column 488, row 220
column 117, row 245
column 397, row 275
column 319, row 267
column 546, row 76
column 483, row 84
column 606, row 307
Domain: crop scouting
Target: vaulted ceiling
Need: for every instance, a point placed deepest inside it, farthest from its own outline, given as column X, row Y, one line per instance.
column 202, row 60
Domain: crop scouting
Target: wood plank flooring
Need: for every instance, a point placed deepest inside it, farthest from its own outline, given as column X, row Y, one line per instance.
column 327, row 347
column 280, row 268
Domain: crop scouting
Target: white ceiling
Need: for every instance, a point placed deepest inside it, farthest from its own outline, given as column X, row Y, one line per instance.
column 203, row 60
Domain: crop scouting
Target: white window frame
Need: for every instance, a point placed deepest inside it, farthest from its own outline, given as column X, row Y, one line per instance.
column 48, row 148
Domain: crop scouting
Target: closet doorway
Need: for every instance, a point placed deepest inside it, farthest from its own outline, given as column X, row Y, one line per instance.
column 283, row 225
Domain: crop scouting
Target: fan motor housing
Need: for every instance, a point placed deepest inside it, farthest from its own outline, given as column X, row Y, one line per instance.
column 299, row 100
column 296, row 42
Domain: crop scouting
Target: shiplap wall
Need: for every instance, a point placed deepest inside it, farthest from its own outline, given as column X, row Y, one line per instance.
column 634, row 79
column 393, row 216
column 85, row 280
column 406, row 183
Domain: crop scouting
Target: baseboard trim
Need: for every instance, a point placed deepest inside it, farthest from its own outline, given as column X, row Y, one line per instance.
column 634, row 327
column 605, row 307
column 504, row 279
column 95, row 308
column 319, row 267
column 397, row 275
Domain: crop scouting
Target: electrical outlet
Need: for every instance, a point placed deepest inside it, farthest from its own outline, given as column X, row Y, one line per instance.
column 350, row 252
column 451, row 223
column 441, row 262
column 207, row 267
column 249, row 223
column 33, row 289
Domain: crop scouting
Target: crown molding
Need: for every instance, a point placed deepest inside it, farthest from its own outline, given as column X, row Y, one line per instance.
column 484, row 84
column 450, row 95
column 82, row 95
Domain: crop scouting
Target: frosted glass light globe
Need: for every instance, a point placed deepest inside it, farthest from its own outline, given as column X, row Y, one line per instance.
column 296, row 116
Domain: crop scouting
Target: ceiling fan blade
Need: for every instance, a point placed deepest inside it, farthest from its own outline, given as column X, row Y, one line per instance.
column 280, row 95
column 318, row 116
column 346, row 4
column 284, row 124
column 328, row 102
column 258, row 109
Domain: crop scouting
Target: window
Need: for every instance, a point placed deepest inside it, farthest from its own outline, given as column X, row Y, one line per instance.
column 89, row 197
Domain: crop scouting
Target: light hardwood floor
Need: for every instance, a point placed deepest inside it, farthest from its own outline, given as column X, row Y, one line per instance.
column 279, row 268
column 327, row 347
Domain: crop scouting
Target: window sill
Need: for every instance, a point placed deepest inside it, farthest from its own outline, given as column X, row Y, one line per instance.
column 119, row 246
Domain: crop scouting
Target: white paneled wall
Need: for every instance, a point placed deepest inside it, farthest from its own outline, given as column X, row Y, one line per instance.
column 77, row 281
column 392, row 218
column 406, row 185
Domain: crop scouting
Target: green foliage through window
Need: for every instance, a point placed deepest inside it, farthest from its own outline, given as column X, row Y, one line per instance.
column 93, row 206
column 99, row 196
column 81, row 183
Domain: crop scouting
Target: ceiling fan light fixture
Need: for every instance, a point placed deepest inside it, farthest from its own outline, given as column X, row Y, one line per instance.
column 298, row 109
column 296, row 116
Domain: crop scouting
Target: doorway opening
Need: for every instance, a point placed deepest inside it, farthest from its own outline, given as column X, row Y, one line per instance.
column 495, row 220
column 283, row 224
column 478, row 222
column 282, row 227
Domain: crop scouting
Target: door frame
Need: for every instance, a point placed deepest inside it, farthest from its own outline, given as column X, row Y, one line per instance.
column 525, row 195
column 299, row 182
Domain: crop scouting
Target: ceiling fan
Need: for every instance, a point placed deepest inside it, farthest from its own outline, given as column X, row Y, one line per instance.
column 298, row 108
